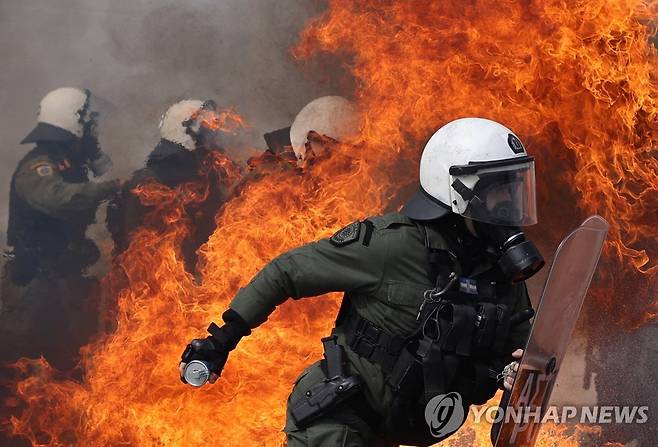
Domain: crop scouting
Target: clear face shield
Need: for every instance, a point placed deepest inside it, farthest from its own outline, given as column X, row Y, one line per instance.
column 94, row 109
column 501, row 192
column 90, row 151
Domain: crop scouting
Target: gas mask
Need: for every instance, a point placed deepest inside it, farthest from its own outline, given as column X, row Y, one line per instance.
column 500, row 202
column 101, row 164
column 517, row 257
column 90, row 151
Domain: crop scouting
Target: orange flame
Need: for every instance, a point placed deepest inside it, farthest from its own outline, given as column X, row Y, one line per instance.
column 226, row 121
column 575, row 79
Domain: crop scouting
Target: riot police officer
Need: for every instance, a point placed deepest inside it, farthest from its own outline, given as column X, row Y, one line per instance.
column 434, row 302
column 48, row 299
column 189, row 133
column 320, row 124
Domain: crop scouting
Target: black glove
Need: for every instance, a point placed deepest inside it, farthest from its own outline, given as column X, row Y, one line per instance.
column 215, row 348
column 100, row 164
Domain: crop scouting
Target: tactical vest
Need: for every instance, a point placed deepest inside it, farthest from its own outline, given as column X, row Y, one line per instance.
column 43, row 241
column 460, row 339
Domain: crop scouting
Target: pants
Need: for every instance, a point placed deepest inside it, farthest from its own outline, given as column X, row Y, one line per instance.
column 331, row 430
column 49, row 316
column 326, row 435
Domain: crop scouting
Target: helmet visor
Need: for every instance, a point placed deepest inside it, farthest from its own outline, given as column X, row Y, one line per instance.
column 496, row 193
column 93, row 108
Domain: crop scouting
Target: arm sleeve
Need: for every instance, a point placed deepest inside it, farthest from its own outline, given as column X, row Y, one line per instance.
column 51, row 195
column 310, row 270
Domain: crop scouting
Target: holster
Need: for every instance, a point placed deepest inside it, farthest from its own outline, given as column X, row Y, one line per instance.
column 326, row 395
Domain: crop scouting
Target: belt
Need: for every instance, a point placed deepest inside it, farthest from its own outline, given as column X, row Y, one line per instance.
column 370, row 341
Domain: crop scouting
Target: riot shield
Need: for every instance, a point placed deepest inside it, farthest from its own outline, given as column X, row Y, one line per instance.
column 573, row 266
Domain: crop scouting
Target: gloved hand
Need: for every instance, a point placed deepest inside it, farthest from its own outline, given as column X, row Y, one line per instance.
column 107, row 189
column 214, row 349
column 509, row 373
column 100, row 163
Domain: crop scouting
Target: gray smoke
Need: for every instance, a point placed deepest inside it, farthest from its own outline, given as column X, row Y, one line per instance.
column 144, row 55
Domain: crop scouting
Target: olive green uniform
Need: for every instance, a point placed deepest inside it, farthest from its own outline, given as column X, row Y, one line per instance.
column 384, row 274
column 46, row 305
column 42, row 183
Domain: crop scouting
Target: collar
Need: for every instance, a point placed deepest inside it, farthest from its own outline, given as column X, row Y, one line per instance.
column 165, row 149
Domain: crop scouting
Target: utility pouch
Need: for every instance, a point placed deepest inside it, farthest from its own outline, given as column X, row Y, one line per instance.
column 406, row 377
column 326, row 395
column 485, row 325
column 492, row 326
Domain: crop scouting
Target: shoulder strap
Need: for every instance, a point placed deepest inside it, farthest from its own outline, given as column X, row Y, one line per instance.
column 441, row 261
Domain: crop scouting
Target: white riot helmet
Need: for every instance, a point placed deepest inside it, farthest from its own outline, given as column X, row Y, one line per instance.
column 182, row 123
column 64, row 115
column 479, row 169
column 331, row 116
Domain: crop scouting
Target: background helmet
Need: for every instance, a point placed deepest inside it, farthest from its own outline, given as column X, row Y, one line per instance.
column 479, row 169
column 183, row 122
column 331, row 116
column 64, row 115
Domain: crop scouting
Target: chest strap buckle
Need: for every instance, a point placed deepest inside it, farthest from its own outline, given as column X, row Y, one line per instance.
column 368, row 340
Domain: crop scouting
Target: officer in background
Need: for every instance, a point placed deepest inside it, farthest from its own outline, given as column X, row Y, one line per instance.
column 189, row 140
column 49, row 304
column 434, row 302
column 320, row 124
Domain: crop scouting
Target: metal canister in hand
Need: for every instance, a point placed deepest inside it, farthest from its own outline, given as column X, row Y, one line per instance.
column 197, row 373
